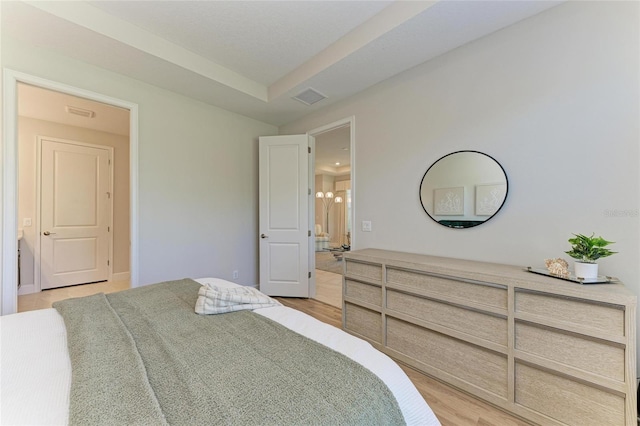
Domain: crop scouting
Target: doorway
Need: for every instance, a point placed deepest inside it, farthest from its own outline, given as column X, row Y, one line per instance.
column 10, row 163
column 334, row 208
column 83, row 147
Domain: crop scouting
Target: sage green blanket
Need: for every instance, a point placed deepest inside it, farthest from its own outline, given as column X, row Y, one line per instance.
column 143, row 357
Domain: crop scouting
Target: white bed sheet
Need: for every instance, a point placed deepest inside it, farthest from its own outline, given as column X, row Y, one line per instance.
column 35, row 370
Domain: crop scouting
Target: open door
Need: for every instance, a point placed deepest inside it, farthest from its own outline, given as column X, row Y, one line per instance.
column 285, row 233
column 74, row 213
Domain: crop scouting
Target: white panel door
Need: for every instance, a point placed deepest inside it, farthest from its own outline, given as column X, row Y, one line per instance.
column 284, row 216
column 74, row 214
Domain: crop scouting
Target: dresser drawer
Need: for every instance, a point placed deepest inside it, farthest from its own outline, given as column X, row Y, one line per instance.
column 565, row 400
column 484, row 326
column 595, row 356
column 490, row 295
column 362, row 321
column 365, row 292
column 601, row 317
column 550, row 351
column 365, row 270
column 472, row 364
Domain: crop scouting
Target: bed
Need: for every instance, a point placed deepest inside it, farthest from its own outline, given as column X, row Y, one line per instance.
column 36, row 367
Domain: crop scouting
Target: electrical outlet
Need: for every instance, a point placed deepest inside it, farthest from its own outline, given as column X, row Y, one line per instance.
column 26, row 221
column 366, row 226
column 235, row 274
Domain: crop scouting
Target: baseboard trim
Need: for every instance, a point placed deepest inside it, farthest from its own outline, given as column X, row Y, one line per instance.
column 26, row 289
column 121, row 276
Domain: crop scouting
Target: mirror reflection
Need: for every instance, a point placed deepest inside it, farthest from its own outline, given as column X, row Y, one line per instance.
column 463, row 189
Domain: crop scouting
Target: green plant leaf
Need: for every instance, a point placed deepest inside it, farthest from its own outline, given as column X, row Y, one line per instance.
column 589, row 249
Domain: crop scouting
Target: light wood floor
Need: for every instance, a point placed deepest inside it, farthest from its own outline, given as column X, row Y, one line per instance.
column 452, row 407
column 329, row 288
column 44, row 299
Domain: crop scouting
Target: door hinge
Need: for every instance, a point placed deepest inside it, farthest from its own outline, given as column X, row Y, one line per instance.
column 309, row 233
column 309, row 193
column 108, row 195
column 309, row 274
column 108, row 229
column 109, row 161
column 108, row 263
column 309, row 149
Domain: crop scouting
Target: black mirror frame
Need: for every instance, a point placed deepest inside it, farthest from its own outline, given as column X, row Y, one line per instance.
column 476, row 223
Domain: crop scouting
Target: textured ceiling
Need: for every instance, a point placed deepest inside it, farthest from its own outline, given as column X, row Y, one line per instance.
column 262, row 40
column 251, row 57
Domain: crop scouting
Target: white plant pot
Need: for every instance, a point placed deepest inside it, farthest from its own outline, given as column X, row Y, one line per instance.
column 585, row 270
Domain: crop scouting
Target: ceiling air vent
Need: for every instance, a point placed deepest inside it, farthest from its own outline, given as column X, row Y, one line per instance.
column 80, row 111
column 309, row 96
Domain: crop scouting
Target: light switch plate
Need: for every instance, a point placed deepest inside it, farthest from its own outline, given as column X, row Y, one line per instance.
column 366, row 226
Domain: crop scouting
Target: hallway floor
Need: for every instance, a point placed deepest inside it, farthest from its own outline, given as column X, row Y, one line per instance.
column 329, row 288
column 45, row 298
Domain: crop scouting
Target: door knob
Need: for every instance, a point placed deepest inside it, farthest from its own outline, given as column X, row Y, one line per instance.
column 48, row 233
column 264, row 236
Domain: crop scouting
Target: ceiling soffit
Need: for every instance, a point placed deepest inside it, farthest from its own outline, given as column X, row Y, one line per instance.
column 370, row 42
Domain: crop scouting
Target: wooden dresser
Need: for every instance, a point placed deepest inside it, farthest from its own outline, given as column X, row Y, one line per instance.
column 548, row 350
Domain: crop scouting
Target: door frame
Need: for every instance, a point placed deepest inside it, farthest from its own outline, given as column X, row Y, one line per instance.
column 9, row 247
column 37, row 255
column 351, row 122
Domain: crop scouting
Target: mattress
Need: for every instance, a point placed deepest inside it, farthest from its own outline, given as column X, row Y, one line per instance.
column 35, row 374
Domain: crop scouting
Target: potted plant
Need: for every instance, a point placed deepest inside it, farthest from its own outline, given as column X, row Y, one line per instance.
column 586, row 251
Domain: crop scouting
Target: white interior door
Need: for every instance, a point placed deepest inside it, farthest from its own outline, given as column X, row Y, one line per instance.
column 74, row 213
column 285, row 234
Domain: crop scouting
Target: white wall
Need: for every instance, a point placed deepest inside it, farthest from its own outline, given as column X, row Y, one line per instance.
column 198, row 171
column 28, row 131
column 1, row 168
column 553, row 98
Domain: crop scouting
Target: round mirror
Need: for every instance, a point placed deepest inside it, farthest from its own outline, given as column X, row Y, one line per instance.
column 463, row 189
